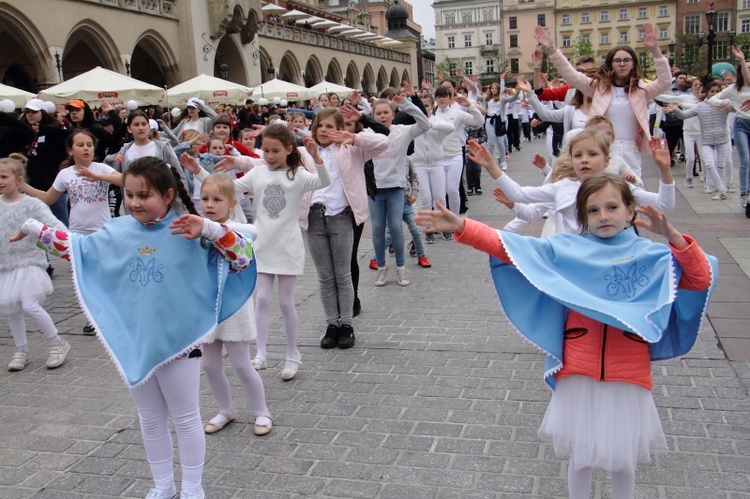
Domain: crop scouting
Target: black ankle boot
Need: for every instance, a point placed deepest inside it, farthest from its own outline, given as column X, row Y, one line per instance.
column 346, row 336
column 331, row 339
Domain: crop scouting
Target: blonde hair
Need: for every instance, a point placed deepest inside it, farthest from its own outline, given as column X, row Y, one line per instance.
column 223, row 182
column 598, row 119
column 17, row 163
column 564, row 165
column 189, row 134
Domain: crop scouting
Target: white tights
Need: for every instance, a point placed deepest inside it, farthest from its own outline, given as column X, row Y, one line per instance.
column 172, row 392
column 579, row 483
column 33, row 308
column 239, row 356
column 264, row 291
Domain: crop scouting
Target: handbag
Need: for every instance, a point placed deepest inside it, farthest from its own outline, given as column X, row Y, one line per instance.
column 499, row 125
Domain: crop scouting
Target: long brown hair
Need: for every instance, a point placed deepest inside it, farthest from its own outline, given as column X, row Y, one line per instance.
column 69, row 145
column 327, row 112
column 161, row 178
column 281, row 132
column 604, row 77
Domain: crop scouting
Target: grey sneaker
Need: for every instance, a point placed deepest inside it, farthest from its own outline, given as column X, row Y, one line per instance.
column 402, row 276
column 731, row 188
column 743, row 201
column 380, row 276
column 689, row 183
column 709, row 190
column 19, row 361
column 162, row 494
column 57, row 354
column 720, row 196
column 429, row 238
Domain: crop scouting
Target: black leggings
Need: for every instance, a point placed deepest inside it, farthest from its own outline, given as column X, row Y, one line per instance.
column 358, row 228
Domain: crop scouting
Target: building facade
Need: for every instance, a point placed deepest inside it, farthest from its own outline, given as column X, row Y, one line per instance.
column 165, row 42
column 469, row 34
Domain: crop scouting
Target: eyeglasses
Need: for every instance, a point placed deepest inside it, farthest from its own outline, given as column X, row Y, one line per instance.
column 620, row 62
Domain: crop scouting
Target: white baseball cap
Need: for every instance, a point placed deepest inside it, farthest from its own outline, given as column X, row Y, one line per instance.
column 35, row 105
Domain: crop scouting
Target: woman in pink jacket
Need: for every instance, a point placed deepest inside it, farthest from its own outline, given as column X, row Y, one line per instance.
column 618, row 90
column 329, row 215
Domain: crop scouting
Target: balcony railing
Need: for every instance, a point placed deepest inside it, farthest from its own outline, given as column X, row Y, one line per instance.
column 292, row 34
column 163, row 8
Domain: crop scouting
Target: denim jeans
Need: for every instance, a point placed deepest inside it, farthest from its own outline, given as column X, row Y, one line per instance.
column 414, row 230
column 60, row 209
column 330, row 240
column 742, row 141
column 388, row 205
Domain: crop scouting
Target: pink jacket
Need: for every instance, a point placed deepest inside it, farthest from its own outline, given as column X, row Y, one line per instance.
column 601, row 98
column 350, row 161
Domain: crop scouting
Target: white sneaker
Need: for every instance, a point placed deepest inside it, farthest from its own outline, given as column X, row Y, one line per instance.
column 380, row 276
column 708, row 189
column 19, row 361
column 402, row 276
column 689, row 183
column 731, row 188
column 720, row 196
column 201, row 494
column 259, row 363
column 162, row 494
column 57, row 354
column 743, row 201
column 504, row 166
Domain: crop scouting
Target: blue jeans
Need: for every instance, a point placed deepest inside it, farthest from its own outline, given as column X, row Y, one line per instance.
column 414, row 230
column 742, row 141
column 60, row 209
column 387, row 207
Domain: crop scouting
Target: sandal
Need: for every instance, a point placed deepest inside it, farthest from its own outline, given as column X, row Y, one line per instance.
column 289, row 373
column 218, row 422
column 262, row 428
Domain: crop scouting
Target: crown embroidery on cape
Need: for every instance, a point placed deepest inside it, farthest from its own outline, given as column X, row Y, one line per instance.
column 146, row 251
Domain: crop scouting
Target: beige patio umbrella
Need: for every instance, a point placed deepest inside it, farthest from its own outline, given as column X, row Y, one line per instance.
column 270, row 8
column 281, row 89
column 101, row 85
column 327, row 87
column 209, row 88
column 19, row 97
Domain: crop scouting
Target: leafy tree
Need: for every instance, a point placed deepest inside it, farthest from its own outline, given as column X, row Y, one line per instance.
column 691, row 59
column 582, row 46
column 646, row 60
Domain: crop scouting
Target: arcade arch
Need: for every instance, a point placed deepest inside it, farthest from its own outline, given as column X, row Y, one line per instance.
column 88, row 45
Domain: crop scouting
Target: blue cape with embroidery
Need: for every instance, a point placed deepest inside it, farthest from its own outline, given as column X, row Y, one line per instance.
column 625, row 281
column 152, row 296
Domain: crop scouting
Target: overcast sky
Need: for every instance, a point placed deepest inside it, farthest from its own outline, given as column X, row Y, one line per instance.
column 424, row 15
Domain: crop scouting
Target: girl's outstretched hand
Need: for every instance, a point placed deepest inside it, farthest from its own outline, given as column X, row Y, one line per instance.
column 539, row 161
column 341, row 137
column 312, row 147
column 87, row 174
column 480, row 155
column 660, row 152
column 629, row 178
column 225, row 165
column 189, row 163
column 543, row 36
column 658, row 223
column 350, row 113
column 440, row 220
column 500, row 197
column 190, row 226
column 19, row 235
column 649, row 36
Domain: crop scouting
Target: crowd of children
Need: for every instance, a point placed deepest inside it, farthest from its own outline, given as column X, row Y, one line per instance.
column 228, row 195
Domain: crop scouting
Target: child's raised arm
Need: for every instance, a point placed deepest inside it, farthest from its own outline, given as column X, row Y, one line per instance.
column 658, row 223
column 114, row 178
column 480, row 155
column 440, row 220
column 233, row 246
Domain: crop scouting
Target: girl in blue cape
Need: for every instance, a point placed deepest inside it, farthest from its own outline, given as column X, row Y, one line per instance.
column 153, row 297
column 612, row 302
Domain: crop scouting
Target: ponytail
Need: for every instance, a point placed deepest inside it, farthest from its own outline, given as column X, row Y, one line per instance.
column 182, row 192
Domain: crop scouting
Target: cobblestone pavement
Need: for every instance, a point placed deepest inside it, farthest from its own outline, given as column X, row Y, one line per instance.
column 440, row 398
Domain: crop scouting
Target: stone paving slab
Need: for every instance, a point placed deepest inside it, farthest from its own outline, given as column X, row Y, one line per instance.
column 440, row 398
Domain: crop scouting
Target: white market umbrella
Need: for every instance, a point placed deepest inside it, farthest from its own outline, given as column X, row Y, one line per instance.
column 310, row 20
column 19, row 97
column 281, row 89
column 354, row 31
column 102, row 85
column 342, row 27
column 209, row 88
column 327, row 87
column 326, row 24
column 271, row 8
column 294, row 14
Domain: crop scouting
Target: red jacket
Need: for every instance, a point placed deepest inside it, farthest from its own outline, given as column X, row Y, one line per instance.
column 604, row 353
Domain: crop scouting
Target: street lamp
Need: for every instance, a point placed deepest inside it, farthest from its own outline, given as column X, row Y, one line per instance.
column 671, row 47
column 731, row 44
column 224, row 71
column 271, row 71
column 710, row 19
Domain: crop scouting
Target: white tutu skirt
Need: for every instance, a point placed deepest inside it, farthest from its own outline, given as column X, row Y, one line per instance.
column 29, row 282
column 610, row 425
